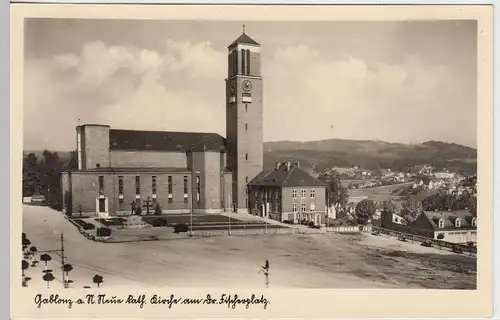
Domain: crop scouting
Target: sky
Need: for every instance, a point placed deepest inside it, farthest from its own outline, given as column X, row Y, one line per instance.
column 405, row 82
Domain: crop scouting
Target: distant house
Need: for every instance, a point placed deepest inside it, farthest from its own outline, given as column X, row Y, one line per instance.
column 456, row 226
column 37, row 200
column 444, row 175
column 288, row 193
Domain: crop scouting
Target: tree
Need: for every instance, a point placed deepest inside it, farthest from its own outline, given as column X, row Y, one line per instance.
column 24, row 265
column 411, row 209
column 73, row 161
column 335, row 192
column 33, row 250
column 68, row 202
column 365, row 209
column 67, row 268
column 48, row 277
column 45, row 258
column 158, row 209
column 31, row 178
column 138, row 210
column 389, row 206
column 25, row 243
column 50, row 168
column 97, row 279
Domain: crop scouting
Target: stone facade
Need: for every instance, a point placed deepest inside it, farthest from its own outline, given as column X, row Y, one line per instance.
column 244, row 118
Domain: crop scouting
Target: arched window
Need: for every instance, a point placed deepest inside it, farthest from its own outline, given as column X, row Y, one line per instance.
column 248, row 62
column 235, row 62
column 243, row 59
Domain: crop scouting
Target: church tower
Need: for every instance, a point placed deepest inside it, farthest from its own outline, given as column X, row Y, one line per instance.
column 244, row 117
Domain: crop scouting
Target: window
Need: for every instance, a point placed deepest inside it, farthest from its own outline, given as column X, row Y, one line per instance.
column 294, row 194
column 304, row 193
column 312, row 193
column 313, row 207
column 198, row 188
column 153, row 184
column 246, row 156
column 243, row 64
column 137, row 185
column 304, row 207
column 101, row 185
column 185, row 189
column 120, row 185
column 97, row 165
column 246, row 126
column 294, row 208
column 246, row 179
column 474, row 222
column 170, row 189
column 457, row 223
column 441, row 223
column 247, row 59
column 246, row 95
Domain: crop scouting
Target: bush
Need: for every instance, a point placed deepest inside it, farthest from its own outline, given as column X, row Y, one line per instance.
column 88, row 226
column 181, row 227
column 103, row 232
column 159, row 222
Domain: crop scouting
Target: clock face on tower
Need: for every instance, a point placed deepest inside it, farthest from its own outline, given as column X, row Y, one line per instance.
column 246, row 86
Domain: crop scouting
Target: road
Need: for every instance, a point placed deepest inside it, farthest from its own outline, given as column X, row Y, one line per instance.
column 297, row 261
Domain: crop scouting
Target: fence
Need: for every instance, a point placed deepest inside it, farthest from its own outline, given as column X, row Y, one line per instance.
column 418, row 238
column 349, row 229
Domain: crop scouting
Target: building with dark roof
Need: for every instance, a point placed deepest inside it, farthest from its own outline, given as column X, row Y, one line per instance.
column 458, row 226
column 119, row 170
column 288, row 193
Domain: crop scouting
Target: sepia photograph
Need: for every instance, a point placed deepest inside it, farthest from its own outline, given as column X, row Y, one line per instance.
column 250, row 154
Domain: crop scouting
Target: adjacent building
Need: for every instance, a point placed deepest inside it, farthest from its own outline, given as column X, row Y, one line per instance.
column 452, row 226
column 288, row 193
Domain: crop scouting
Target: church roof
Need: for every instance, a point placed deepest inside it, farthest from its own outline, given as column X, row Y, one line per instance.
column 244, row 39
column 295, row 177
column 165, row 141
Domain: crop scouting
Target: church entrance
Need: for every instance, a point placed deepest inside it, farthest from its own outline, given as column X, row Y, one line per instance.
column 102, row 205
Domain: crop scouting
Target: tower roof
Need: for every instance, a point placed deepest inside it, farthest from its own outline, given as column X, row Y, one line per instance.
column 244, row 39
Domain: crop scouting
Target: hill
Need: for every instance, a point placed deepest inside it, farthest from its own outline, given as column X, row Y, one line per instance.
column 325, row 154
column 372, row 155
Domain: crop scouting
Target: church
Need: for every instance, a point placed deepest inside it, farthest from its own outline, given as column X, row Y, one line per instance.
column 119, row 170
column 181, row 172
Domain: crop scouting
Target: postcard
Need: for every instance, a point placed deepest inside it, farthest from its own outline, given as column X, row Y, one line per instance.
column 278, row 161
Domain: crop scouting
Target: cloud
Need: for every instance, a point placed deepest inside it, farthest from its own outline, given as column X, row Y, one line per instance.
column 406, row 101
column 309, row 94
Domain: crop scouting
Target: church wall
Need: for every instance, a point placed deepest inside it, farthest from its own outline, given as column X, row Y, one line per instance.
column 85, row 188
column 212, row 180
column 95, row 146
column 148, row 159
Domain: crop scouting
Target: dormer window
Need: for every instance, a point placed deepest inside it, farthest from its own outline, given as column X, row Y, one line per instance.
column 441, row 223
column 457, row 223
column 474, row 222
